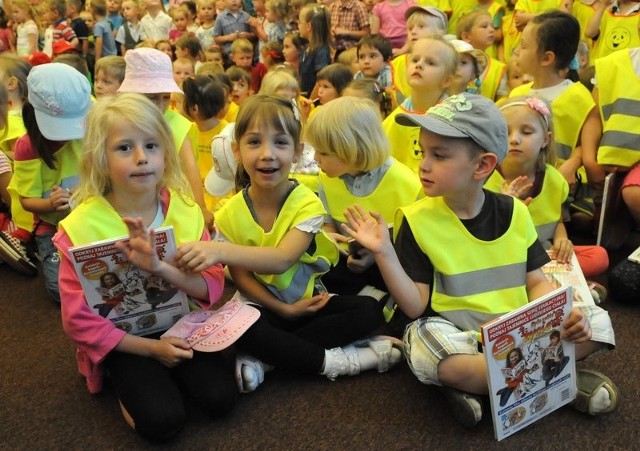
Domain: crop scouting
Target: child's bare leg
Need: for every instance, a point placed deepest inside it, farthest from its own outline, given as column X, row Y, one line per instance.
column 631, row 197
column 464, row 372
column 584, row 350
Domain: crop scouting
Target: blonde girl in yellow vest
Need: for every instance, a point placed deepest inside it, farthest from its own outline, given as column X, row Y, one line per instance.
column 530, row 162
column 131, row 184
column 357, row 168
column 271, row 238
column 547, row 53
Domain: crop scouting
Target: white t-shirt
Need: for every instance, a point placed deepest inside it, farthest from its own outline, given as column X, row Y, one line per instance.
column 156, row 28
column 22, row 40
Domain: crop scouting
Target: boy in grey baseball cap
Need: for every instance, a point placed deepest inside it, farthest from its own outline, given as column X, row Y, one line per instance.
column 462, row 255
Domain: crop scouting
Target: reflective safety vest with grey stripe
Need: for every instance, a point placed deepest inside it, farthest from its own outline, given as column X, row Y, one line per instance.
column 619, row 110
column 474, row 280
column 301, row 280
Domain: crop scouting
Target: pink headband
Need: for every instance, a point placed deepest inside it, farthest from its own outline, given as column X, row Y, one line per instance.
column 536, row 105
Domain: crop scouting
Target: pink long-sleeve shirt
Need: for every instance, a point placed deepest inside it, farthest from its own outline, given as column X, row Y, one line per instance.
column 95, row 337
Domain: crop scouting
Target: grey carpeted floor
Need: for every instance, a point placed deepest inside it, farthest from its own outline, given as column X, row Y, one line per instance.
column 45, row 404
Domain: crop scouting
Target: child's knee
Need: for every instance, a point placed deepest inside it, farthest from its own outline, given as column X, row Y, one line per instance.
column 161, row 425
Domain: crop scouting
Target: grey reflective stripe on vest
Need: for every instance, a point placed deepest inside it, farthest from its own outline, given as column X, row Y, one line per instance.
column 620, row 140
column 481, row 281
column 546, row 231
column 563, row 150
column 296, row 289
column 628, row 107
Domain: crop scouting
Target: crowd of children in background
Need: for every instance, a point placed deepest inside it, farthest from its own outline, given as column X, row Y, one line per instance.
column 354, row 92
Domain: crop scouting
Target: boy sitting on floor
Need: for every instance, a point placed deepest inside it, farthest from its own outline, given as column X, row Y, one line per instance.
column 465, row 256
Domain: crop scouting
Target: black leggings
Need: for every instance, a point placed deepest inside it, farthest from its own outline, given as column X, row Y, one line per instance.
column 153, row 394
column 300, row 344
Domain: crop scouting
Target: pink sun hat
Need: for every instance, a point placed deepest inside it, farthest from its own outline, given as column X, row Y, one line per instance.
column 148, row 71
column 215, row 330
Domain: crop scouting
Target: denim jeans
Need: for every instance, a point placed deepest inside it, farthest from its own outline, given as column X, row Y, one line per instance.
column 50, row 259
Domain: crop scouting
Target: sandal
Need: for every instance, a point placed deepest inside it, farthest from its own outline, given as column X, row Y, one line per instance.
column 589, row 382
column 598, row 292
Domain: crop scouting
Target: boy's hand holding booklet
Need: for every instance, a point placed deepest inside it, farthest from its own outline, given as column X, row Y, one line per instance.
column 522, row 387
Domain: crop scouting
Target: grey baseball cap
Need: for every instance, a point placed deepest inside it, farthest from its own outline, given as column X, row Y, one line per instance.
column 464, row 116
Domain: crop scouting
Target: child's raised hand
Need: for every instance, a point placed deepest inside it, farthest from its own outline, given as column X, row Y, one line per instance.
column 196, row 256
column 305, row 307
column 59, row 198
column 576, row 327
column 141, row 250
column 171, row 351
column 518, row 188
column 368, row 229
column 562, row 250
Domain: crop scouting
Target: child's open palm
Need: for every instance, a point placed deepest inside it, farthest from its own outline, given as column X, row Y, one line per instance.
column 368, row 229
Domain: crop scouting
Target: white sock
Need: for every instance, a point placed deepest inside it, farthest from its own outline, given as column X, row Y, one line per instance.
column 599, row 401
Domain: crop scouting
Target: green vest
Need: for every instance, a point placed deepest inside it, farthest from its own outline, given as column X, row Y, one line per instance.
column 616, row 33
column 546, row 207
column 236, row 223
column 95, row 219
column 405, row 141
column 474, row 281
column 181, row 128
column 492, row 77
column 33, row 178
column 399, row 187
column 619, row 110
column 570, row 111
column 401, row 86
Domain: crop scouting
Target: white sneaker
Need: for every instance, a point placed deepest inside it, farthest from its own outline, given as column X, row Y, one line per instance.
column 384, row 353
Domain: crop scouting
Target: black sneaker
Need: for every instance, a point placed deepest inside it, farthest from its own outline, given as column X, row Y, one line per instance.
column 465, row 407
column 13, row 254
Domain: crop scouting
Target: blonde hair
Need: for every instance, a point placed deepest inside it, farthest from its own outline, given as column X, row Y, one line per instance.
column 280, row 8
column 112, row 65
column 351, row 129
column 209, row 68
column 241, row 46
column 547, row 154
column 468, row 20
column 109, row 112
column 24, row 5
column 451, row 58
column 276, row 80
column 423, row 17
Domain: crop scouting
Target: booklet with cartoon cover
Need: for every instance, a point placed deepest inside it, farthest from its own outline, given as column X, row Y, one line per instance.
column 561, row 274
column 135, row 300
column 538, row 381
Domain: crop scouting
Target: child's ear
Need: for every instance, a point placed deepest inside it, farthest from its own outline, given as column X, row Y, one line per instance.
column 487, row 162
column 446, row 82
column 465, row 36
column 236, row 150
column 12, row 83
column 548, row 58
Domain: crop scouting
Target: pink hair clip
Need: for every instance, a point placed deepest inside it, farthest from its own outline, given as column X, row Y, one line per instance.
column 538, row 105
